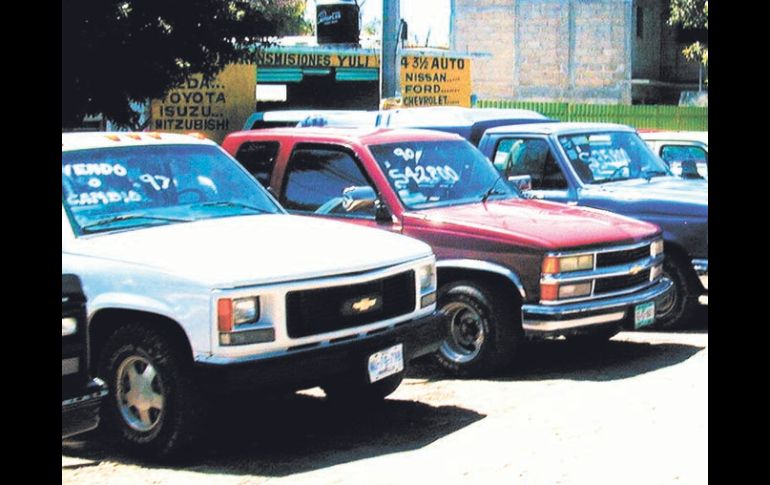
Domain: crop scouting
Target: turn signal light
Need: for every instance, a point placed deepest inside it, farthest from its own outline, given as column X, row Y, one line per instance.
column 225, row 315
column 549, row 291
column 550, row 265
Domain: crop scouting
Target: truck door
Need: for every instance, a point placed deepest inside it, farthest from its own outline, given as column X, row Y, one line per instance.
column 518, row 157
column 328, row 180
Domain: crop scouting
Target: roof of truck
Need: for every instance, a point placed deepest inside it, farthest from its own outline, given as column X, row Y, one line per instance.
column 103, row 139
column 559, row 127
column 366, row 136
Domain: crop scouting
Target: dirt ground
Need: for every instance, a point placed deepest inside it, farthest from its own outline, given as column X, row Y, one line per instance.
column 633, row 411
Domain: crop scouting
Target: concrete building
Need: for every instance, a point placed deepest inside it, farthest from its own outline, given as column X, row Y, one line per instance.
column 594, row 51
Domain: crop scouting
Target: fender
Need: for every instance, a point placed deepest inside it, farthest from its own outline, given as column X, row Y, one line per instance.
column 477, row 265
column 127, row 301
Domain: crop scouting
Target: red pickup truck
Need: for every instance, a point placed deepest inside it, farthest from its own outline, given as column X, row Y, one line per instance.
column 509, row 268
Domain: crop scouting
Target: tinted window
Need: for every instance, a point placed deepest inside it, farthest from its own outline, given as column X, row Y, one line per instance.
column 316, row 179
column 671, row 153
column 533, row 157
column 258, row 158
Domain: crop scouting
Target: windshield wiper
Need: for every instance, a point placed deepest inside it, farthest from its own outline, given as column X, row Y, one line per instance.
column 491, row 190
column 648, row 174
column 126, row 217
column 227, row 203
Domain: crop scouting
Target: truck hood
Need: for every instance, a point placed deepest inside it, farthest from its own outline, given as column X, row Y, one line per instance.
column 661, row 195
column 541, row 224
column 252, row 250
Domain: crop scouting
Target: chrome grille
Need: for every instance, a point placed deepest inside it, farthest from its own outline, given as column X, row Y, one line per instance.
column 617, row 270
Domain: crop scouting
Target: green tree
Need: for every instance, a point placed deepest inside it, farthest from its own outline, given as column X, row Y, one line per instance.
column 115, row 52
column 692, row 14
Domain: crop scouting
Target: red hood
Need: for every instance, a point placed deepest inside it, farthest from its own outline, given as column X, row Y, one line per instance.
column 538, row 223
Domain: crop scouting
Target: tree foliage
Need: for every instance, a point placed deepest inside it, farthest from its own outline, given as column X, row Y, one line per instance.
column 692, row 14
column 115, row 52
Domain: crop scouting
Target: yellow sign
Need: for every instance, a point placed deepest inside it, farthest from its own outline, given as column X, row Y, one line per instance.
column 214, row 108
column 435, row 81
column 316, row 59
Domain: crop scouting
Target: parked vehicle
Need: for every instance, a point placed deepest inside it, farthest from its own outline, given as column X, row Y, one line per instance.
column 283, row 118
column 608, row 166
column 81, row 394
column 470, row 123
column 676, row 148
column 198, row 282
column 508, row 267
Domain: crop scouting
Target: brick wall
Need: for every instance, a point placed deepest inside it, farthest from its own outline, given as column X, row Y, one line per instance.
column 487, row 26
column 544, row 50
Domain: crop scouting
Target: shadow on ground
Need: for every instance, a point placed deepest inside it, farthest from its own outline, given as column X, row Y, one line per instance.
column 299, row 433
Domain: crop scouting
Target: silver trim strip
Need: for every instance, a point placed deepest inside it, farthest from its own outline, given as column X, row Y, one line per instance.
column 608, row 249
column 475, row 264
column 533, row 313
column 541, row 326
column 701, row 267
column 87, row 397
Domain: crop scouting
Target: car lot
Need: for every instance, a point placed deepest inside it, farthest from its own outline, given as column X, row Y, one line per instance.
column 632, row 411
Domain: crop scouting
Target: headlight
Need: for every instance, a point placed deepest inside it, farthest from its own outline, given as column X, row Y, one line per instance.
column 656, row 247
column 552, row 291
column 68, row 326
column 426, row 275
column 566, row 264
column 574, row 291
column 245, row 310
column 236, row 311
column 232, row 312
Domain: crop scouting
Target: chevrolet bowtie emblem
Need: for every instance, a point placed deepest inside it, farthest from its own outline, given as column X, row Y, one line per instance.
column 635, row 269
column 364, row 304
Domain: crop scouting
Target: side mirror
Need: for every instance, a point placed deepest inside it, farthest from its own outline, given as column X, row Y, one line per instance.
column 690, row 170
column 356, row 198
column 521, row 182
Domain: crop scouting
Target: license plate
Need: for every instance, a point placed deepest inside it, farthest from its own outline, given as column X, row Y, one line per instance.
column 386, row 363
column 644, row 314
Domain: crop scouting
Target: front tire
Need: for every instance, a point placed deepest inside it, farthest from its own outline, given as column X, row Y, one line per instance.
column 153, row 408
column 676, row 309
column 483, row 329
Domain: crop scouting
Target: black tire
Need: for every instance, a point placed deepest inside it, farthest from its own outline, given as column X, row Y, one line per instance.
column 352, row 392
column 135, row 355
column 483, row 328
column 678, row 308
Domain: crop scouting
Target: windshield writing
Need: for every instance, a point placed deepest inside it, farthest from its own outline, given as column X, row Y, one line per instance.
column 434, row 173
column 117, row 188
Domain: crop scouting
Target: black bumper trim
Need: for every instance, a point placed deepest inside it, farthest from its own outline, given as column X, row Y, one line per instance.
column 80, row 413
column 314, row 366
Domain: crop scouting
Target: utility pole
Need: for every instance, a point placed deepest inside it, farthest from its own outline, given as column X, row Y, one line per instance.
column 389, row 62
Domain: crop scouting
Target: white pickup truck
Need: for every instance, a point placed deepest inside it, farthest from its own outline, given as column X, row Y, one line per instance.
column 198, row 282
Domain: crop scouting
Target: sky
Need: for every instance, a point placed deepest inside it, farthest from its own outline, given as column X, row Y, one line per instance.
column 421, row 15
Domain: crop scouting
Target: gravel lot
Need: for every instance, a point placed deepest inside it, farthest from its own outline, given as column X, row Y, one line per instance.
column 633, row 411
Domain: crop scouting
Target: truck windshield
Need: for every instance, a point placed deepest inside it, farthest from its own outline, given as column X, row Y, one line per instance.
column 428, row 174
column 611, row 156
column 119, row 188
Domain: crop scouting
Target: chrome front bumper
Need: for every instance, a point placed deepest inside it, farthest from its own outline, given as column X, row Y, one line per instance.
column 541, row 320
column 701, row 267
